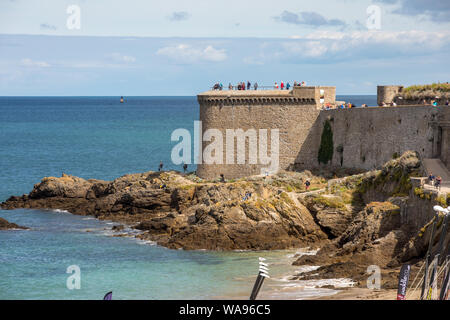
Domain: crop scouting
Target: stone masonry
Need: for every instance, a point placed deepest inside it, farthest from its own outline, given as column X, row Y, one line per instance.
column 363, row 138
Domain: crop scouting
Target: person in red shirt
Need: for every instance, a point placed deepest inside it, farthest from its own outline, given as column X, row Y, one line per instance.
column 282, row 85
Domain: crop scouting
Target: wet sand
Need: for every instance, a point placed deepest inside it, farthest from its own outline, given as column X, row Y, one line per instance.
column 367, row 294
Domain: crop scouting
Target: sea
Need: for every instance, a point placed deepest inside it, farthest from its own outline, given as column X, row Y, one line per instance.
column 65, row 256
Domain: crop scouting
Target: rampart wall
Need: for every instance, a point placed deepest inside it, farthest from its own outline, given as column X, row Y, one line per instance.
column 366, row 138
column 363, row 138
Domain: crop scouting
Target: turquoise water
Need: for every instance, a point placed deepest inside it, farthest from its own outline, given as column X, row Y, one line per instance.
column 97, row 137
column 33, row 263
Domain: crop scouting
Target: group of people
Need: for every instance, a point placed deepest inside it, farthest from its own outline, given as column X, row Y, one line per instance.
column 287, row 85
column 390, row 104
column 435, row 181
column 240, row 86
column 282, row 86
column 349, row 105
column 249, row 86
column 243, row 86
column 434, row 102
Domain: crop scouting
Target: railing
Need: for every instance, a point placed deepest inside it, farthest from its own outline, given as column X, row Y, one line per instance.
column 252, row 88
column 444, row 183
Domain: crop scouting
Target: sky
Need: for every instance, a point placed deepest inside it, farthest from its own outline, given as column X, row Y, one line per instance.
column 145, row 48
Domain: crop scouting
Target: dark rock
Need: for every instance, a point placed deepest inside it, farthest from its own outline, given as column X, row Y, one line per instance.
column 5, row 225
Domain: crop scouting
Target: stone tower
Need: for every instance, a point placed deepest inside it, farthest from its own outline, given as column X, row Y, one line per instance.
column 291, row 113
column 386, row 94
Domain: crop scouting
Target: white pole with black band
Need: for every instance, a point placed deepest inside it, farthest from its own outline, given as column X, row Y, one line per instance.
column 263, row 272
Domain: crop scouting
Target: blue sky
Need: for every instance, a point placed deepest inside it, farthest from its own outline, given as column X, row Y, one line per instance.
column 183, row 47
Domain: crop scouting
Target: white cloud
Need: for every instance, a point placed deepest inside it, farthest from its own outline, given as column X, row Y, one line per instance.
column 30, row 63
column 117, row 57
column 184, row 53
column 329, row 46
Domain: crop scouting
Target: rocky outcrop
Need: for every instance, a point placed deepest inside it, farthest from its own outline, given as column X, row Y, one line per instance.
column 5, row 225
column 177, row 212
column 374, row 218
column 392, row 227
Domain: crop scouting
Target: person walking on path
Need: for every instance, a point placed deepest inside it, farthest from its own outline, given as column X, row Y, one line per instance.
column 185, row 166
column 249, row 85
column 255, row 86
column 161, row 165
column 282, row 85
column 307, row 184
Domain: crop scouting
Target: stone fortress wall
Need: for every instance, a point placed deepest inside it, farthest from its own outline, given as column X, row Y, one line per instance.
column 363, row 138
column 366, row 138
column 387, row 93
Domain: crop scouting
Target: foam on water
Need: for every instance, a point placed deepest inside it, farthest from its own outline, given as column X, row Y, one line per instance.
column 59, row 211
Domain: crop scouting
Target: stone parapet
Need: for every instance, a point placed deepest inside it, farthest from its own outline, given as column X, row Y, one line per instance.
column 254, row 100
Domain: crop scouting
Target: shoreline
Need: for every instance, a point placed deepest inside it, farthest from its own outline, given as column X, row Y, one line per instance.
column 279, row 286
column 368, row 294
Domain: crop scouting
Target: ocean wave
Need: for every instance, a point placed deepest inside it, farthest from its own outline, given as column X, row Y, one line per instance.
column 311, row 284
column 303, row 252
column 59, row 211
column 298, row 271
column 146, row 242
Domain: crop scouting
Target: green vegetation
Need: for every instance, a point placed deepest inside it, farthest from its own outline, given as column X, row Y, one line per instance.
column 404, row 185
column 421, row 194
column 289, row 185
column 442, row 201
column 284, row 196
column 387, row 208
column 326, row 144
column 330, row 202
column 437, row 87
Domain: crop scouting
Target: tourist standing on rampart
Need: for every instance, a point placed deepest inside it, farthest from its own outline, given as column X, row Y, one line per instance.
column 431, row 178
column 255, row 86
column 438, row 182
